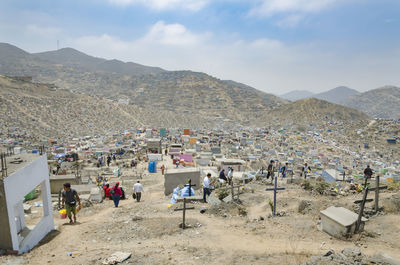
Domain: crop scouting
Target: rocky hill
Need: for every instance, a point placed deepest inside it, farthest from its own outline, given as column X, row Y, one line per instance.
column 297, row 94
column 337, row 95
column 42, row 111
column 72, row 58
column 383, row 102
column 185, row 93
column 316, row 111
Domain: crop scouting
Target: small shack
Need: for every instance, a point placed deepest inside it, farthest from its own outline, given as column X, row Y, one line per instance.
column 154, row 146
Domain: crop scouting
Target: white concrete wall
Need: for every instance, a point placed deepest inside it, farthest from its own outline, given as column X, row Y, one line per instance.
column 155, row 157
column 16, row 186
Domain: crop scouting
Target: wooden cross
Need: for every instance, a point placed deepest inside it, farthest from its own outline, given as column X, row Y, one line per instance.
column 365, row 200
column 232, row 187
column 190, row 185
column 377, row 189
column 184, row 212
column 275, row 189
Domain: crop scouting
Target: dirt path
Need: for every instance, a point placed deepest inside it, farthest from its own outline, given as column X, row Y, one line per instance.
column 149, row 230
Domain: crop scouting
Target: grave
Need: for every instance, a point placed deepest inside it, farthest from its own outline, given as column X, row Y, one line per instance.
column 340, row 222
column 275, row 189
column 96, row 194
column 183, row 209
column 154, row 146
column 174, row 177
column 57, row 182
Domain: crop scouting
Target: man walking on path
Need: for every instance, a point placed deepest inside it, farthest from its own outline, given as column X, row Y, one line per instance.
column 69, row 199
column 270, row 169
column 306, row 169
column 284, row 170
column 206, row 187
column 138, row 189
column 116, row 194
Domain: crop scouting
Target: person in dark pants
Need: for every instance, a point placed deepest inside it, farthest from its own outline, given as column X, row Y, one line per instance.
column 108, row 160
column 222, row 175
column 305, row 170
column 69, row 199
column 270, row 169
column 116, row 194
column 368, row 172
column 138, row 189
column 206, row 187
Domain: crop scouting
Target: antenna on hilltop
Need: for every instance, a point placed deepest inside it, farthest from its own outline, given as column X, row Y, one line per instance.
column 58, row 44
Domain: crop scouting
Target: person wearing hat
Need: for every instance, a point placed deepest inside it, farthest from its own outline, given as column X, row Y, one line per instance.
column 116, row 193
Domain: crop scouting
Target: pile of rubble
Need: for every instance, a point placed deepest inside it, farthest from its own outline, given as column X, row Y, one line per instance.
column 351, row 256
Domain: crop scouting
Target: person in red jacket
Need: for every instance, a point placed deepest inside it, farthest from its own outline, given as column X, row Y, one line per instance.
column 107, row 190
column 116, row 193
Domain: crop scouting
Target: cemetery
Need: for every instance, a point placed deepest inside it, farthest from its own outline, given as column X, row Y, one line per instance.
column 261, row 216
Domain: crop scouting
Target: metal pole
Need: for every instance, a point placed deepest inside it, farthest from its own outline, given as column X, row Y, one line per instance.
column 275, row 187
column 232, row 189
column 184, row 210
column 376, row 194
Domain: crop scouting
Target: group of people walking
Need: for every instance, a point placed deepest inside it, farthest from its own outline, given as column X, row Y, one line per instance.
column 72, row 203
column 116, row 193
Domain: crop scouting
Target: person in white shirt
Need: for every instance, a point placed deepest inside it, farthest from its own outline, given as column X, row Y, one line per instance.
column 206, row 187
column 230, row 175
column 137, row 190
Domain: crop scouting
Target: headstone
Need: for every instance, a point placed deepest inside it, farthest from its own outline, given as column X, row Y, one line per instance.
column 95, row 195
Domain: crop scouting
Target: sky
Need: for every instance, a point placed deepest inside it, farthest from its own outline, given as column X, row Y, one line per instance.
column 273, row 45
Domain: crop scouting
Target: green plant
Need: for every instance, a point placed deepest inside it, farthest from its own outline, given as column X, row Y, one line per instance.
column 321, row 187
column 307, row 185
column 271, row 204
column 394, row 186
column 222, row 193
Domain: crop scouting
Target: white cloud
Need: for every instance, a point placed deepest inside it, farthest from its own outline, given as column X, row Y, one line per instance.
column 271, row 7
column 42, row 30
column 266, row 64
column 192, row 5
column 172, row 34
column 290, row 21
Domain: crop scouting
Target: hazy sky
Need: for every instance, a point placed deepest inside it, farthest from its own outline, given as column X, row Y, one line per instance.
column 273, row 45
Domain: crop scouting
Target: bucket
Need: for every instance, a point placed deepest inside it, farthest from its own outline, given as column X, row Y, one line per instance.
column 63, row 213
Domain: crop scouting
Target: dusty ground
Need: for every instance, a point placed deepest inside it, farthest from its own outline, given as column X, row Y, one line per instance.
column 149, row 230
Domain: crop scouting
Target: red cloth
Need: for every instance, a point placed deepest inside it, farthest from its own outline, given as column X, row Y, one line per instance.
column 107, row 192
column 117, row 190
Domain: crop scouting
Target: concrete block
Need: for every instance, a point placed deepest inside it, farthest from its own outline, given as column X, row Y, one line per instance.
column 96, row 195
column 340, row 222
column 175, row 177
column 213, row 200
column 27, row 208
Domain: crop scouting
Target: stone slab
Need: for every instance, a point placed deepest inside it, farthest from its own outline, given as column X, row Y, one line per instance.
column 341, row 215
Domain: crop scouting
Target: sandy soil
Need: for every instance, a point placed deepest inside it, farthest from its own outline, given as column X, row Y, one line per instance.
column 149, row 230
